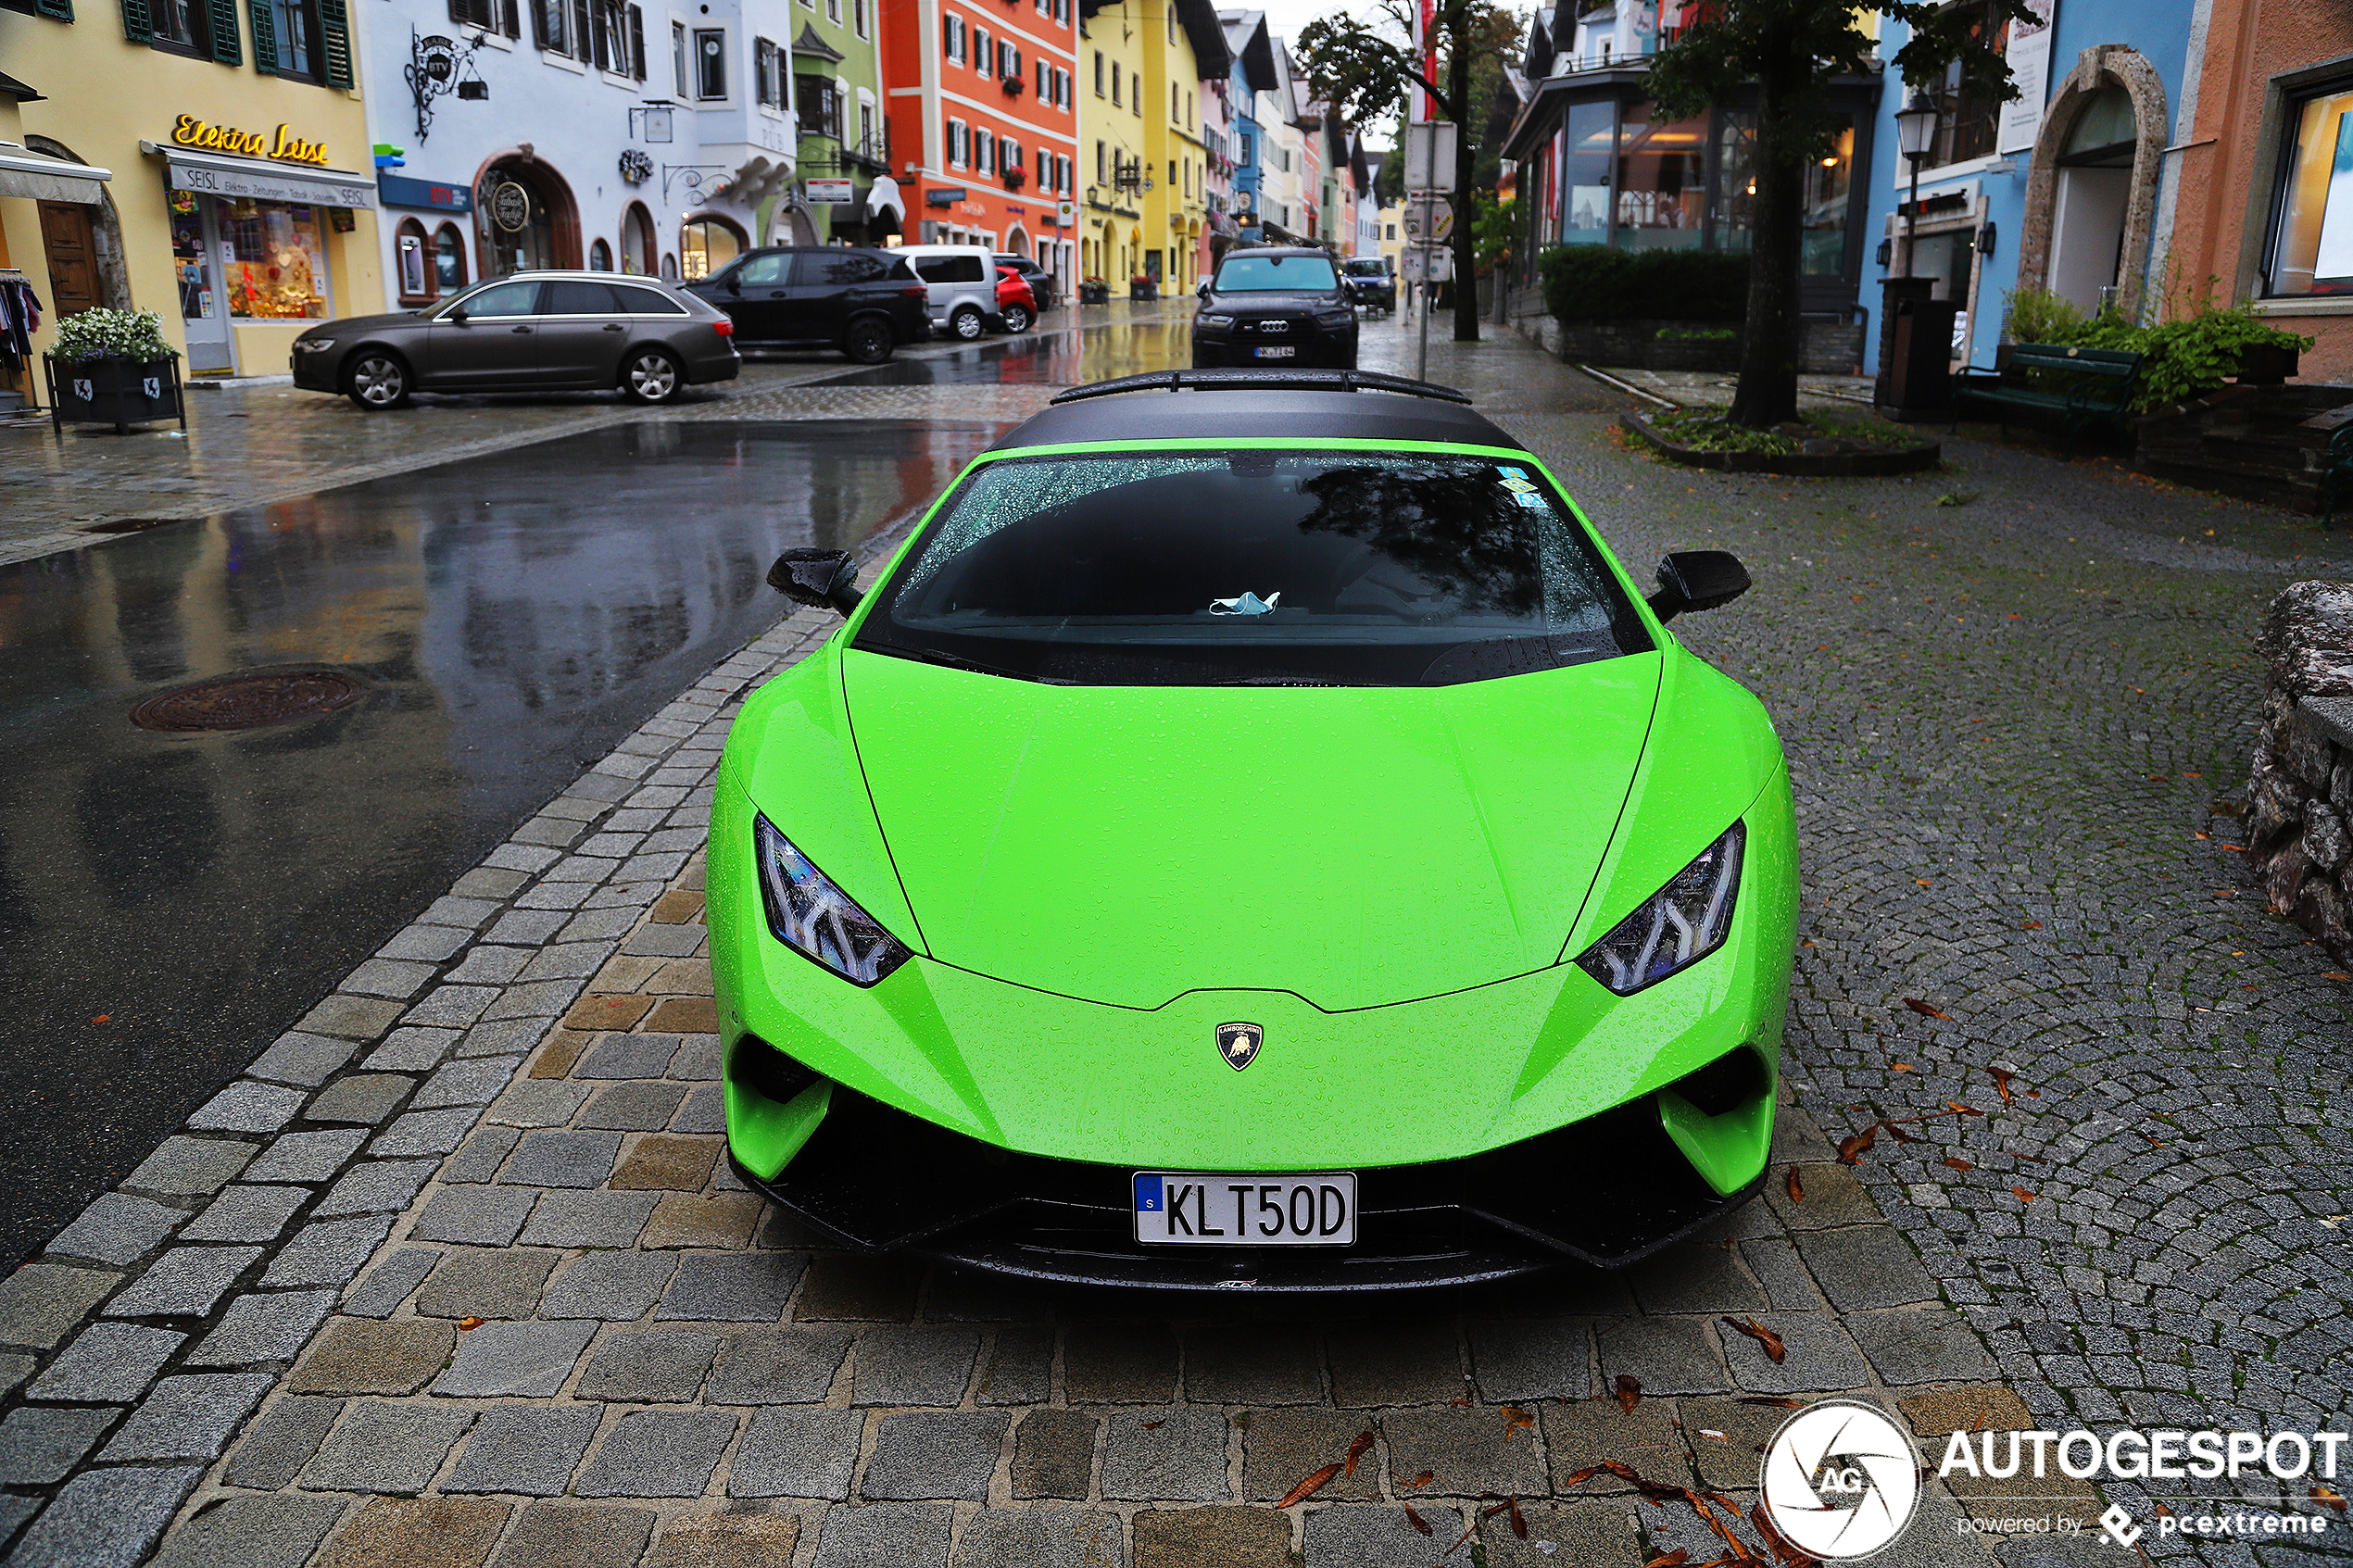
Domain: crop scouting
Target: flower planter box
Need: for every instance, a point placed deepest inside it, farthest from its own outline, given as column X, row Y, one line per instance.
column 1094, row 294
column 2264, row 364
column 120, row 392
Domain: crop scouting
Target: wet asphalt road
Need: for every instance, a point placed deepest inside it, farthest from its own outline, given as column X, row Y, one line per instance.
column 169, row 903
column 1063, row 358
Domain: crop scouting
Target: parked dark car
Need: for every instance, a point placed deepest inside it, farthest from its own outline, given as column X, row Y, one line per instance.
column 864, row 303
column 1040, row 282
column 1369, row 279
column 1276, row 306
column 530, row 332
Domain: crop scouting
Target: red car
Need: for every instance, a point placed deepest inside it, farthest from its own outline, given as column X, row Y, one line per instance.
column 1016, row 302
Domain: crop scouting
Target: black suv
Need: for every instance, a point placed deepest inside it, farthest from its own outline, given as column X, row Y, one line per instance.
column 1275, row 306
column 1040, row 282
column 1368, row 280
column 863, row 302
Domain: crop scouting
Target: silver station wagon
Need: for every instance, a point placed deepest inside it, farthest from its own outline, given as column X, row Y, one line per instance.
column 528, row 332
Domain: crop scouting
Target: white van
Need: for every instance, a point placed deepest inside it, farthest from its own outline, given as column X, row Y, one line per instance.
column 963, row 280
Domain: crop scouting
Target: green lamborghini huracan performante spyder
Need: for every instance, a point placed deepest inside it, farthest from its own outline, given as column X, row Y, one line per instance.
column 1253, row 835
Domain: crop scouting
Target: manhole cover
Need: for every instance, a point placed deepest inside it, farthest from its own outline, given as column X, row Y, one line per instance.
column 247, row 702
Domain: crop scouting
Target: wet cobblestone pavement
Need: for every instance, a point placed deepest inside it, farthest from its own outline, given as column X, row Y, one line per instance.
column 455, row 1274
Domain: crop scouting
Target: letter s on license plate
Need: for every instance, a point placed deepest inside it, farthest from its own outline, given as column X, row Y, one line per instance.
column 1201, row 1209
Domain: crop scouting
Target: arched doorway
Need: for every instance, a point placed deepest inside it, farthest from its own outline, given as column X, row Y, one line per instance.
column 1017, row 241
column 637, row 254
column 2091, row 191
column 84, row 238
column 528, row 216
column 707, row 244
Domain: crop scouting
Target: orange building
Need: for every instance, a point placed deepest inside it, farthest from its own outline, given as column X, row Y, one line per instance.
column 982, row 104
column 2265, row 148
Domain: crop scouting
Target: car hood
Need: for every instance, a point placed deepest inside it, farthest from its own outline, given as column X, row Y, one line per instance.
column 352, row 326
column 1357, row 847
column 1254, row 300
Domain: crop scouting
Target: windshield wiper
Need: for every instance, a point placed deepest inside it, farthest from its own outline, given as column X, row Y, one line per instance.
column 1286, row 681
column 958, row 662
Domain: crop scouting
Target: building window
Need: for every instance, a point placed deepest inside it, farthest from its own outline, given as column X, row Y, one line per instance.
column 706, row 244
column 678, row 56
column 1008, row 61
column 296, row 24
column 1388, row 231
column 277, row 259
column 1114, row 82
column 711, row 67
column 767, row 74
column 865, row 126
column 951, row 37
column 821, row 105
column 599, row 257
column 179, row 25
column 1100, row 179
column 959, row 142
column 860, row 19
column 1176, row 104
column 984, row 152
column 2310, row 248
column 448, row 259
column 1968, row 123
column 618, row 30
column 983, row 59
column 1062, row 88
column 833, row 10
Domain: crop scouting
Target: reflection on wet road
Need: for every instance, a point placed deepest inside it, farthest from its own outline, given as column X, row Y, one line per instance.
column 1063, row 358
column 169, row 902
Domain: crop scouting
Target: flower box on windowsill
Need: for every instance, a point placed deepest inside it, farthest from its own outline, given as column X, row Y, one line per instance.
column 120, row 392
column 1014, row 86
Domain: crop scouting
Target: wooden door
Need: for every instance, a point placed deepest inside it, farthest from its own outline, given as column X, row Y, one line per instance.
column 73, row 258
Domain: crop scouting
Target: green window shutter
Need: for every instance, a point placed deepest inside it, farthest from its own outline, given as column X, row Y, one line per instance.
column 137, row 25
column 62, row 10
column 335, row 36
column 265, row 37
column 223, row 14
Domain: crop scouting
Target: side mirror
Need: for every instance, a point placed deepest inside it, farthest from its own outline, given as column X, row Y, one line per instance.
column 456, row 314
column 1202, row 288
column 824, row 579
column 735, row 281
column 1697, row 579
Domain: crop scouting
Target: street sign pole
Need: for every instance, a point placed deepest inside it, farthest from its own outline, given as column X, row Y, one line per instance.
column 1421, row 352
column 1430, row 173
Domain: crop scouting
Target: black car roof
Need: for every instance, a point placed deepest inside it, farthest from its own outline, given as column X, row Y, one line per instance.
column 1227, row 405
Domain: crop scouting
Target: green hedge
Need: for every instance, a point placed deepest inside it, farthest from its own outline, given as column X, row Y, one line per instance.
column 1597, row 284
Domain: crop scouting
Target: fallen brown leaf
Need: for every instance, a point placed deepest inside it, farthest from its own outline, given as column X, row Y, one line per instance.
column 1851, row 1150
column 1957, row 1109
column 1797, row 1187
column 1925, row 1010
column 2031, row 925
column 1418, row 1483
column 1356, row 1450
column 2329, row 1496
column 1675, row 1558
column 1899, row 1067
column 1959, row 1164
column 1417, row 1521
column 2335, row 974
column 2163, row 1511
column 2001, row 1083
column 2022, row 1194
column 466, row 1325
column 1580, row 1477
column 1629, row 1393
column 1774, row 1349
column 1774, row 1540
column 1154, row 1425
column 1310, row 1486
column 1898, row 1133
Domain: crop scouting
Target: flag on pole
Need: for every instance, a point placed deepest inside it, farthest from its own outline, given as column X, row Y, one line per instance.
column 1425, row 45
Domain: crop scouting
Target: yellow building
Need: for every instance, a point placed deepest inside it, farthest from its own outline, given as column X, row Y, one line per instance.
column 1144, row 167
column 206, row 160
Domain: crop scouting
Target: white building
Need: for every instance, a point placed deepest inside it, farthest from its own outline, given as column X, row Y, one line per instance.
column 630, row 137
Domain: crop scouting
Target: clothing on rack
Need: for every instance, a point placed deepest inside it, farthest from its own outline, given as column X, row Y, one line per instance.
column 20, row 319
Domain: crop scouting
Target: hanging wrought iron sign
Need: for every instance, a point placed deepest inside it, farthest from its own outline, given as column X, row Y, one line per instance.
column 510, row 206
column 438, row 66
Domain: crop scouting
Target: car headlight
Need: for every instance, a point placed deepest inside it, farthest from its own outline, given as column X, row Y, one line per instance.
column 313, row 345
column 1677, row 927
column 817, row 919
column 1212, row 319
column 1335, row 318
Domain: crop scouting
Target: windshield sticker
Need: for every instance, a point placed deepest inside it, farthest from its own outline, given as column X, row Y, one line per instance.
column 1246, row 604
column 1516, row 482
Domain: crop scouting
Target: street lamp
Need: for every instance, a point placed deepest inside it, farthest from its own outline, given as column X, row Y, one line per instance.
column 1915, row 129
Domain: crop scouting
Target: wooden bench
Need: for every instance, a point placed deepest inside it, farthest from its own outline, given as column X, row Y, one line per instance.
column 2083, row 386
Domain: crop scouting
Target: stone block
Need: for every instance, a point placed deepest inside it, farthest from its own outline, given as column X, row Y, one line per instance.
column 107, row 1362
column 1816, row 1355
column 481, row 1155
column 106, row 1518
column 659, row 1454
column 848, row 1285
column 797, row 1453
column 424, row 943
column 1282, row 1448
column 914, row 1364
column 1726, row 1459
column 896, row 1535
column 1174, row 1454
column 1054, row 1454
column 330, row 1252
column 471, row 1081
column 362, row 1356
column 1119, row 1364
column 276, row 1446
column 588, row 1219
column 486, row 1283
column 1263, row 1364
column 253, row 1532
column 503, row 1036
column 1695, row 1279
column 490, row 1216
column 300, row 1058
column 382, row 1447
column 1398, row 1363
column 521, row 1360
column 248, row 1107
column 1060, row 1537
column 246, row 1213
column 306, row 1157
column 416, row 1533
column 616, row 1285
column 378, row 1186
column 726, row 1540
column 389, row 1282
column 188, row 1418
column 1467, row 1449
column 731, row 1287
column 40, row 1445
column 1539, row 1359
column 527, row 1449
column 597, row 1012
column 1788, row 1287
column 489, row 965
column 1355, row 1536
column 184, row 1282
column 191, row 1167
column 555, row 1535
column 1213, row 1537
column 1021, row 1368
column 629, row 1056
column 1833, row 1198
column 1590, row 1534
column 705, row 1111
column 1866, row 1266
column 412, row 1047
column 778, row 1366
column 424, row 1131
column 1666, row 1355
column 667, row 1161
column 561, row 1158
column 1585, row 1433
column 925, row 1454
column 116, row 1228
column 663, row 1367
column 1921, row 1345
column 265, row 1326
column 689, row 1219
column 356, row 1018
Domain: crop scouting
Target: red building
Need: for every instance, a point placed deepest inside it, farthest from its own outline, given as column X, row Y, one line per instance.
column 982, row 98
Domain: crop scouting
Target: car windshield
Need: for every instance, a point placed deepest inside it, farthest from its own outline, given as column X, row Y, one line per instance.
column 1367, row 269
column 1264, row 274
column 1255, row 567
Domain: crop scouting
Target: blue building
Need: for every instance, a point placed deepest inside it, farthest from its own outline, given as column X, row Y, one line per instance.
column 2068, row 188
column 1253, row 73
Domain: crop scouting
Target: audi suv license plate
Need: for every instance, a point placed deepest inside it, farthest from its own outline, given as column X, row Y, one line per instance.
column 1195, row 1208
column 1277, row 351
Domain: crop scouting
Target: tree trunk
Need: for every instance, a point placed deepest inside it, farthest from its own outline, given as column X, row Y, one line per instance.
column 1767, row 392
column 1465, row 202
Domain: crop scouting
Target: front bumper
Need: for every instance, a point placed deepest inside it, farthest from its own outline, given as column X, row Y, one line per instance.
column 1312, row 346
column 316, row 372
column 1606, row 1191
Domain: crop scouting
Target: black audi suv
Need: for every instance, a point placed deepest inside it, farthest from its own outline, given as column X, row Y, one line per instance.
column 1275, row 306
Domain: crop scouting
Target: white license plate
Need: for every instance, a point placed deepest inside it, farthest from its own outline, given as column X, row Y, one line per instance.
column 1203, row 1209
column 1284, row 351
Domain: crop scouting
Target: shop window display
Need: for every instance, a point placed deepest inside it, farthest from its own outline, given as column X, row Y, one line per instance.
column 200, row 300
column 274, row 260
column 2311, row 249
column 448, row 259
